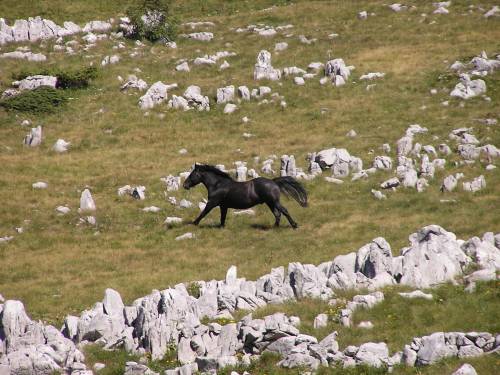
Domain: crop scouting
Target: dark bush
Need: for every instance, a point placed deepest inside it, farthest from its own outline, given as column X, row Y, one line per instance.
column 66, row 79
column 151, row 20
column 43, row 99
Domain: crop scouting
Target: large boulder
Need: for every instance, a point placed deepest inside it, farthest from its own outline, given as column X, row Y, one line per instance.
column 373, row 354
column 434, row 257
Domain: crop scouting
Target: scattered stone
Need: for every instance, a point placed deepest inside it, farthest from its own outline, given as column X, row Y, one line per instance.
column 465, row 369
column 134, row 83
column 416, row 294
column 378, row 194
column 155, row 95
column 320, row 321
column 263, row 68
column 204, row 36
column 185, row 236
column 299, row 81
column 365, row 325
column 40, row 185
column 86, row 201
column 280, row 46
column 475, row 185
column 230, row 108
column 34, row 138
column 351, row 133
column 61, row 146
column 63, row 210
column 468, row 88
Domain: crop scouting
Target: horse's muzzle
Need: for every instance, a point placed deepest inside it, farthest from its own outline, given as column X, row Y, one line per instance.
column 186, row 186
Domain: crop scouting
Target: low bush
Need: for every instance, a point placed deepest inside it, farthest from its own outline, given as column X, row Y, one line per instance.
column 152, row 20
column 43, row 99
column 66, row 79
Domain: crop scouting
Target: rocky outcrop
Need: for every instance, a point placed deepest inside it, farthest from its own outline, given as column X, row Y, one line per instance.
column 32, row 348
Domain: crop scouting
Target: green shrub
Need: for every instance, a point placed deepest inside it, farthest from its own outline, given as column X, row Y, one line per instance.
column 193, row 289
column 41, row 100
column 66, row 79
column 151, row 20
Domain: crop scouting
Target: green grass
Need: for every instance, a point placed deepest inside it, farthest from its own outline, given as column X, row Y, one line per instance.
column 57, row 268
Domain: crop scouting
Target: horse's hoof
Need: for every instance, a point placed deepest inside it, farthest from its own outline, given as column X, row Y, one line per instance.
column 295, row 226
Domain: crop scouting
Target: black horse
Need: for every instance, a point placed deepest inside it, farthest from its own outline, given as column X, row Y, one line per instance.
column 223, row 191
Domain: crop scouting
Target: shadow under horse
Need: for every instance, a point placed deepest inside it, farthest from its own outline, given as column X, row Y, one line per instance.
column 227, row 193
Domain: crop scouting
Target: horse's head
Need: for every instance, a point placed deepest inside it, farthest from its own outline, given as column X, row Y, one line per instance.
column 193, row 179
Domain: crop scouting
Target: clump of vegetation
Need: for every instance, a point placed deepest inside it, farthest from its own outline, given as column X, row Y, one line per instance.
column 152, row 20
column 193, row 289
column 43, row 99
column 66, row 79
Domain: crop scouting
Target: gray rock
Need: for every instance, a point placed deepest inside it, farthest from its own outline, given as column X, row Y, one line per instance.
column 373, row 354
column 155, row 95
column 299, row 360
column 434, row 348
column 465, row 369
column 34, row 138
column 320, row 321
column 263, row 68
column 469, row 351
column 86, row 201
column 342, row 274
column 434, row 257
column 468, row 88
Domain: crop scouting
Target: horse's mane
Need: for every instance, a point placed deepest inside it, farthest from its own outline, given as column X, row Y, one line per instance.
column 215, row 170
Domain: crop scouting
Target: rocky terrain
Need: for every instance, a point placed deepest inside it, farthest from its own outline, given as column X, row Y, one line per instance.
column 390, row 135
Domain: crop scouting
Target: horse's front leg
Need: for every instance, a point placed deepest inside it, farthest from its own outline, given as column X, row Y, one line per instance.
column 223, row 214
column 208, row 207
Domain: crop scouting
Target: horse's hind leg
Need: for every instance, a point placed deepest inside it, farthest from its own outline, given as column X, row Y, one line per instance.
column 284, row 211
column 276, row 212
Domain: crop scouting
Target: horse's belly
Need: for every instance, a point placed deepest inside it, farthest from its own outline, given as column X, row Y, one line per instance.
column 241, row 201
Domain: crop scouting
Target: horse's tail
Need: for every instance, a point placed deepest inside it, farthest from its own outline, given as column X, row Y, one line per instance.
column 292, row 189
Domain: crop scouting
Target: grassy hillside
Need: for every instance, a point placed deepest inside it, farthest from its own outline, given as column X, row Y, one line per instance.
column 57, row 267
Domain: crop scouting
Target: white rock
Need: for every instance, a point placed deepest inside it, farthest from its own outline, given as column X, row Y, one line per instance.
column 465, row 369
column 365, row 325
column 370, row 76
column 63, row 210
column 183, row 67
column 476, row 184
column 204, row 36
column 230, row 108
column 468, row 88
column 172, row 220
column 61, row 146
column 320, row 321
column 351, row 133
column 151, row 209
column 378, row 194
column 155, row 95
column 40, row 185
column 34, row 138
column 86, row 201
column 299, row 81
column 416, row 294
column 263, row 68
column 185, row 236
column 280, row 46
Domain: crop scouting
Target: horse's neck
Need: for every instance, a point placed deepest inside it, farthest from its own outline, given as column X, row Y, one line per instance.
column 213, row 181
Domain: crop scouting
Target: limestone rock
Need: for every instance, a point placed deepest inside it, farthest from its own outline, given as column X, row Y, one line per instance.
column 34, row 138
column 263, row 68
column 61, row 146
column 86, row 201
